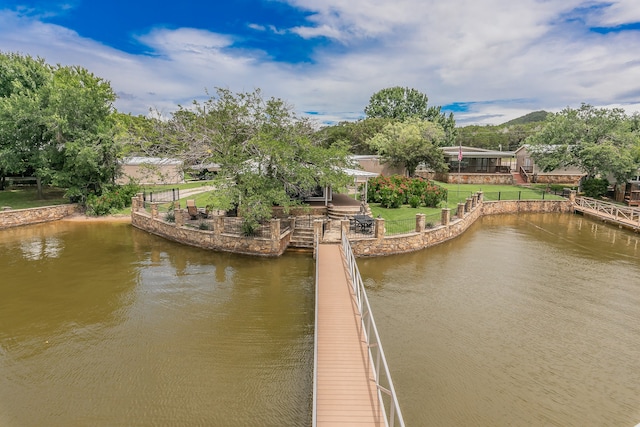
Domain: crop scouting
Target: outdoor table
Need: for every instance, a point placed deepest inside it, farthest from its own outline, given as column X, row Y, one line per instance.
column 364, row 222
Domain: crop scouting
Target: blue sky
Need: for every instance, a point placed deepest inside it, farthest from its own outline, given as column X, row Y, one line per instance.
column 488, row 61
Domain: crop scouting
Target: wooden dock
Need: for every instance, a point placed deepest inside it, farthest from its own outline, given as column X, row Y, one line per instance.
column 622, row 216
column 345, row 388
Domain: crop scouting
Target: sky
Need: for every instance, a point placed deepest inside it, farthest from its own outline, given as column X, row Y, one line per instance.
column 487, row 61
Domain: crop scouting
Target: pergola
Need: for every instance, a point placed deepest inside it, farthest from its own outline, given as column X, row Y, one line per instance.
column 360, row 176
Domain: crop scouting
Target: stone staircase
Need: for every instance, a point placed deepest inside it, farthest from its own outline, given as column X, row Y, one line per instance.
column 302, row 237
column 340, row 212
column 518, row 180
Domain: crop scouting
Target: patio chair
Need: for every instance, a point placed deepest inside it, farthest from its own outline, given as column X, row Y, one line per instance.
column 192, row 209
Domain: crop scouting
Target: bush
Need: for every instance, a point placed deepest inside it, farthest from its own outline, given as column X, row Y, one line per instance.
column 397, row 190
column 595, row 187
column 414, row 201
column 111, row 200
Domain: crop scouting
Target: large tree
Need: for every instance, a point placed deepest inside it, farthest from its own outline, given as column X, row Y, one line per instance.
column 410, row 143
column 601, row 142
column 267, row 155
column 402, row 103
column 355, row 135
column 55, row 124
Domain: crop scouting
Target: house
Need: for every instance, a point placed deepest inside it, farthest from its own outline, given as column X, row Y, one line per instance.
column 151, row 170
column 471, row 165
column 527, row 169
column 371, row 163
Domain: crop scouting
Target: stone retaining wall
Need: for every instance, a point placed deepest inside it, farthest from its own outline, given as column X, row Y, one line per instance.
column 215, row 239
column 379, row 245
column 18, row 217
column 410, row 242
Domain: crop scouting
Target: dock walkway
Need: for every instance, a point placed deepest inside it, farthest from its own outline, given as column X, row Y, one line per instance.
column 346, row 392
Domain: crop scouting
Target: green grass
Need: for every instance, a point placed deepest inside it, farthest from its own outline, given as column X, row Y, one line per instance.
column 458, row 193
column 26, row 197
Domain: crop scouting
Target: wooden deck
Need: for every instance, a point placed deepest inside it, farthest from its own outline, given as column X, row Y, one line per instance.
column 346, row 392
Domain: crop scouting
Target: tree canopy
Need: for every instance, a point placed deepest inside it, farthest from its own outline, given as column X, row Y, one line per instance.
column 601, row 142
column 55, row 124
column 402, row 103
column 410, row 143
column 354, row 135
column 267, row 155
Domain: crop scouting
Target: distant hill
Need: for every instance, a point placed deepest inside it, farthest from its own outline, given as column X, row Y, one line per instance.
column 536, row 116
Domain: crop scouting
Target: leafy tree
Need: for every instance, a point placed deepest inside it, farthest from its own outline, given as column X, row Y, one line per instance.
column 22, row 79
column 402, row 103
column 267, row 155
column 355, row 135
column 410, row 143
column 55, row 123
column 600, row 142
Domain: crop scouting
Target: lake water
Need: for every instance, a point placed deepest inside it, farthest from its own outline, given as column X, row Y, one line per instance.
column 523, row 320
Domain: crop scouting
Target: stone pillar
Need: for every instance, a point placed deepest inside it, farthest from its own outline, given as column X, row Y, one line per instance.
column 460, row 213
column 317, row 231
column 179, row 217
column 474, row 200
column 274, row 225
column 467, row 206
column 218, row 224
column 154, row 211
column 379, row 228
column 420, row 220
column 344, row 228
column 445, row 217
column 480, row 197
column 572, row 196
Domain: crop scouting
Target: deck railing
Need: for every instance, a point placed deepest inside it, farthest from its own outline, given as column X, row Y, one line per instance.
column 614, row 211
column 386, row 391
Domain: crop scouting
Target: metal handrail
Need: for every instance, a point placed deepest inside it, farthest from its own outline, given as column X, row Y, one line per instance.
column 376, row 354
column 314, row 413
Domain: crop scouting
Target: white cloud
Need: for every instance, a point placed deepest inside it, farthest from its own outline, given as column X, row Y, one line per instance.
column 506, row 58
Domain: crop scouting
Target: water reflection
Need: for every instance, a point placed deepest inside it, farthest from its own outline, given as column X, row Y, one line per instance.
column 124, row 328
column 524, row 320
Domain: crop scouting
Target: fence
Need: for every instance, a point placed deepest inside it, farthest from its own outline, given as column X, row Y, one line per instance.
column 234, row 225
column 528, row 194
column 162, row 196
column 399, row 226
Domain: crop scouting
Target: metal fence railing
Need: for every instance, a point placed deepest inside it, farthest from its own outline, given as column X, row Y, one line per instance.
column 432, row 220
column 399, row 226
column 162, row 196
column 360, row 230
column 386, row 391
column 234, row 225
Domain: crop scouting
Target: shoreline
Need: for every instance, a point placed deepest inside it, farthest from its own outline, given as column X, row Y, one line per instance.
column 79, row 217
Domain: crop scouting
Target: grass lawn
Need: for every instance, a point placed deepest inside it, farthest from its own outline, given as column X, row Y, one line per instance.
column 26, row 197
column 458, row 193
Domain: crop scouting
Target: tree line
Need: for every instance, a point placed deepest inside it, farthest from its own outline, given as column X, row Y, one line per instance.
column 58, row 123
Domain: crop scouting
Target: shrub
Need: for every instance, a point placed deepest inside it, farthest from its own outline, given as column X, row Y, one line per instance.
column 595, row 187
column 112, row 199
column 396, row 190
column 170, row 216
column 415, row 201
column 249, row 227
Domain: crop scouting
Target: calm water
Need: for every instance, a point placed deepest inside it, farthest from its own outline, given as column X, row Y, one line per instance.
column 103, row 325
column 530, row 320
column 523, row 321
